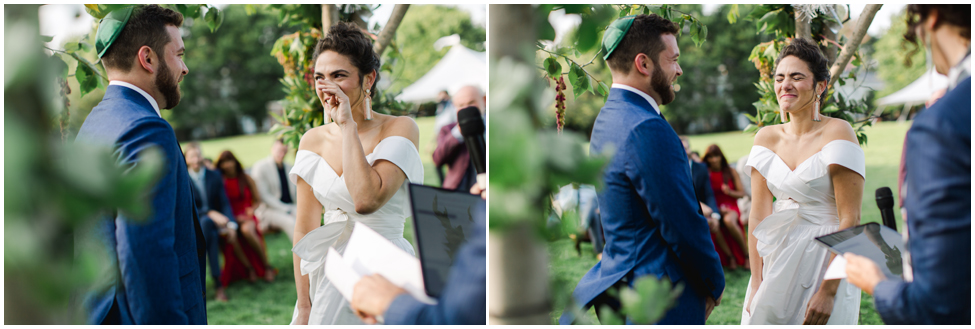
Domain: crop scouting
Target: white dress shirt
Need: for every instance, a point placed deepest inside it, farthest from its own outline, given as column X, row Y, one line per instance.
column 649, row 99
column 155, row 106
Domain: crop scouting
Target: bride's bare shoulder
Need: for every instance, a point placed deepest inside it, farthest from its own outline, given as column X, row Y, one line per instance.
column 403, row 126
column 314, row 138
column 768, row 136
column 839, row 129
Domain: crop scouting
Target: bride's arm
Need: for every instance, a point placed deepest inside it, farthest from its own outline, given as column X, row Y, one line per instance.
column 309, row 217
column 372, row 186
column 761, row 208
column 848, row 189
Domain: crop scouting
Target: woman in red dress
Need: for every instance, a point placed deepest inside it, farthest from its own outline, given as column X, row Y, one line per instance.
column 243, row 196
column 727, row 190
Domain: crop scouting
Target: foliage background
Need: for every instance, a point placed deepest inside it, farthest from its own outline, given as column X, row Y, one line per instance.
column 231, row 74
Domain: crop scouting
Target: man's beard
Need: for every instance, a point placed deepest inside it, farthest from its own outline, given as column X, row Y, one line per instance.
column 168, row 85
column 659, row 83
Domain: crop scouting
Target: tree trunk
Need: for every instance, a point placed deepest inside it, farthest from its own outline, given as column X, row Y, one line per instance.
column 803, row 27
column 330, row 16
column 519, row 261
column 389, row 31
column 519, row 277
column 515, row 24
column 851, row 46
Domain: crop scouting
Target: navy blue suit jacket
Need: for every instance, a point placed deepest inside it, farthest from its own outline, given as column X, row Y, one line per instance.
column 156, row 275
column 702, row 185
column 939, row 218
column 649, row 211
column 463, row 298
column 216, row 196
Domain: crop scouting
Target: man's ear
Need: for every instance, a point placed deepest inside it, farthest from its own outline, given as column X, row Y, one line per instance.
column 147, row 59
column 643, row 64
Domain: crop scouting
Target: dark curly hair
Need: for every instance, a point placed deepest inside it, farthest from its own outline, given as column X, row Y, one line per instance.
column 954, row 14
column 346, row 39
column 146, row 27
column 809, row 53
column 643, row 37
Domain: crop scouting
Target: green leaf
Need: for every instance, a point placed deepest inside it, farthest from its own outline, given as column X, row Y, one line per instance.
column 188, row 10
column 771, row 52
column 609, row 317
column 578, row 79
column 704, row 34
column 72, row 47
column 696, row 33
column 751, row 128
column 649, row 299
column 87, row 80
column 733, row 14
column 45, row 38
column 603, row 89
column 552, row 67
column 543, row 29
column 213, row 18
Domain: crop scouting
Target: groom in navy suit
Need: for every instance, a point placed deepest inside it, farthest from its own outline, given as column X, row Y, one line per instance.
column 157, row 276
column 650, row 214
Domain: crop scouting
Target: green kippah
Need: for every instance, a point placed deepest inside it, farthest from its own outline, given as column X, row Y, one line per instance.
column 110, row 27
column 615, row 32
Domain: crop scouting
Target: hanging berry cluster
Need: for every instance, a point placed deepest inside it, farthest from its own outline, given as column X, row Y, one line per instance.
column 560, row 102
column 63, row 120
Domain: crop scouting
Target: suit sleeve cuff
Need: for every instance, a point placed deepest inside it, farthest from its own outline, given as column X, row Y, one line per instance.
column 404, row 310
column 885, row 294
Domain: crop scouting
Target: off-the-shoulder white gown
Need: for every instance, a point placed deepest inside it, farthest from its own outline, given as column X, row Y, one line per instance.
column 805, row 208
column 328, row 306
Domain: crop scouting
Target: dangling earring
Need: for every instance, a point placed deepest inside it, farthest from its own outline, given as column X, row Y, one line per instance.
column 816, row 110
column 368, row 108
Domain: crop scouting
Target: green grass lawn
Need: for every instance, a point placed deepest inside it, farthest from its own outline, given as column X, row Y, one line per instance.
column 882, row 158
column 273, row 303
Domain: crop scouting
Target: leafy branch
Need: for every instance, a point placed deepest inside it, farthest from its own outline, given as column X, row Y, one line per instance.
column 596, row 18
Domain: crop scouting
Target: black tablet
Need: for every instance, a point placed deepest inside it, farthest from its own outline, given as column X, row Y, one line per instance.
column 879, row 243
column 442, row 220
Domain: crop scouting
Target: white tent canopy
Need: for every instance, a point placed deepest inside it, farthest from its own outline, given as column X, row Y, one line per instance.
column 458, row 68
column 918, row 91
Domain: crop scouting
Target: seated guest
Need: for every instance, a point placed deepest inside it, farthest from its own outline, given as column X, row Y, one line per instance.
column 208, row 162
column 451, row 149
column 727, row 188
column 583, row 200
column 277, row 208
column 243, row 195
column 213, row 207
column 701, row 179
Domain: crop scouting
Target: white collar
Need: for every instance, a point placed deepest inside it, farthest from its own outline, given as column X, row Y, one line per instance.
column 960, row 71
column 155, row 106
column 649, row 99
column 198, row 174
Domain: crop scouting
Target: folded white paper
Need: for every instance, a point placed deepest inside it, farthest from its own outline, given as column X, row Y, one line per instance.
column 836, row 269
column 370, row 253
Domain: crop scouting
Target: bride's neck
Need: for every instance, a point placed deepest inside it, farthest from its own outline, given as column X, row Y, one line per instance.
column 801, row 122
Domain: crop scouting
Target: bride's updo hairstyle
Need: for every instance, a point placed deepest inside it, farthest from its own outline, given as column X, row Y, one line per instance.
column 346, row 39
column 808, row 52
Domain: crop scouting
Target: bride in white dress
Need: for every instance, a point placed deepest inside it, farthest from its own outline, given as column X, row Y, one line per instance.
column 814, row 168
column 355, row 170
